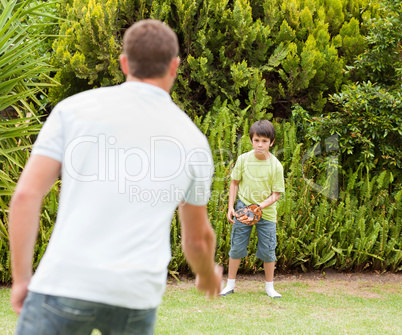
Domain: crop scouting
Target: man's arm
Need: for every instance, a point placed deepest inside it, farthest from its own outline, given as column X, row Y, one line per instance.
column 39, row 175
column 198, row 242
column 270, row 200
column 233, row 189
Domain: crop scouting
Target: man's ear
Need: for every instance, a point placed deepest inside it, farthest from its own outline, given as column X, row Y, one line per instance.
column 124, row 64
column 173, row 66
column 272, row 143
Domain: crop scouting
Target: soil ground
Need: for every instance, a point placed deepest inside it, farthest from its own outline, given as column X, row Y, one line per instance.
column 327, row 281
column 326, row 275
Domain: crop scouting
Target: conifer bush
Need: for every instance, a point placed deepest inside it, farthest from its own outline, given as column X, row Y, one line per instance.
column 367, row 113
column 266, row 54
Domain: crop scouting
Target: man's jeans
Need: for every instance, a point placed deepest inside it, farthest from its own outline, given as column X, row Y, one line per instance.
column 50, row 315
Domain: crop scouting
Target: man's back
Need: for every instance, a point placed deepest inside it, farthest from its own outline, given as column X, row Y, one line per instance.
column 127, row 156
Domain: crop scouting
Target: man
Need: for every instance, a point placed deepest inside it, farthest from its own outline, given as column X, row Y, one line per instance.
column 128, row 156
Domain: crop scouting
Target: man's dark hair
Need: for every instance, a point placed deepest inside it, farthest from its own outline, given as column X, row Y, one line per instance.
column 263, row 128
column 150, row 45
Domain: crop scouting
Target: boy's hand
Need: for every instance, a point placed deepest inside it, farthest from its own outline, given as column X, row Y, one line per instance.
column 231, row 213
column 249, row 215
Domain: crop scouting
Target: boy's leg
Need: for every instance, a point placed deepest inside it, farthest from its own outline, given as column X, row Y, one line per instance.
column 240, row 237
column 233, row 267
column 266, row 231
column 230, row 285
column 269, row 277
column 269, row 271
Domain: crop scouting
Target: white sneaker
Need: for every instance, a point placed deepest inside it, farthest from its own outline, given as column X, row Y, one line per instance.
column 272, row 293
column 226, row 291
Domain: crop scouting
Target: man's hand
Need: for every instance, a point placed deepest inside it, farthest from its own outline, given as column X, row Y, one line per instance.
column 18, row 294
column 198, row 241
column 231, row 213
column 38, row 176
column 211, row 285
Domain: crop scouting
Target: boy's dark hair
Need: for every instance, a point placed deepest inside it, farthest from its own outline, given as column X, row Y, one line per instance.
column 263, row 128
column 150, row 45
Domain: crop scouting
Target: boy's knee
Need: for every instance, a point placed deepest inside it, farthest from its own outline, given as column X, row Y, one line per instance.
column 267, row 257
column 266, row 251
column 239, row 241
column 237, row 253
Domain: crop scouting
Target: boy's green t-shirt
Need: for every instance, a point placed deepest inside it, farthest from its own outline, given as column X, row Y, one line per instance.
column 258, row 179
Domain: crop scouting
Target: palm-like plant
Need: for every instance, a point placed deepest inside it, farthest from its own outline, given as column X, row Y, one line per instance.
column 24, row 75
column 23, row 72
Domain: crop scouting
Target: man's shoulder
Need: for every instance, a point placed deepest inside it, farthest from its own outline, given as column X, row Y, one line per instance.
column 187, row 129
column 87, row 99
column 94, row 93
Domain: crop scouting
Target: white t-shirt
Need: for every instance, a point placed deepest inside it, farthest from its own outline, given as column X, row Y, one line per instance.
column 129, row 157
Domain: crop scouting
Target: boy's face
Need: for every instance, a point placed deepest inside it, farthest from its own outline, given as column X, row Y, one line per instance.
column 261, row 146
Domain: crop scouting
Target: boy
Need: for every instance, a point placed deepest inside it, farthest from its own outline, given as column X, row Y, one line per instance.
column 257, row 178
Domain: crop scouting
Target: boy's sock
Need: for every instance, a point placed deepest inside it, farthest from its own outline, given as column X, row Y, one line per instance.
column 269, row 288
column 229, row 288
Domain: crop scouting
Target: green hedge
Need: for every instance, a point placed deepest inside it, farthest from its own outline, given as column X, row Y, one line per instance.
column 359, row 228
column 265, row 54
column 243, row 61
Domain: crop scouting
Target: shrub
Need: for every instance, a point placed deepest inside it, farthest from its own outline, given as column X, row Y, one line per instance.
column 263, row 54
column 367, row 116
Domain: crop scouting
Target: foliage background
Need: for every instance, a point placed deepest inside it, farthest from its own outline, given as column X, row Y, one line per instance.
column 316, row 68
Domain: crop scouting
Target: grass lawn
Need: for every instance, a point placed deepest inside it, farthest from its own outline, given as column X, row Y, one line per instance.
column 8, row 319
column 310, row 305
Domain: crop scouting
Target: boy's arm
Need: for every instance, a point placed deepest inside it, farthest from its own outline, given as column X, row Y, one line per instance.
column 198, row 243
column 38, row 176
column 234, row 187
column 270, row 200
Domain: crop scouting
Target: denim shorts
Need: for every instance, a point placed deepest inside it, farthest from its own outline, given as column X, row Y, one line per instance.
column 240, row 237
column 51, row 315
